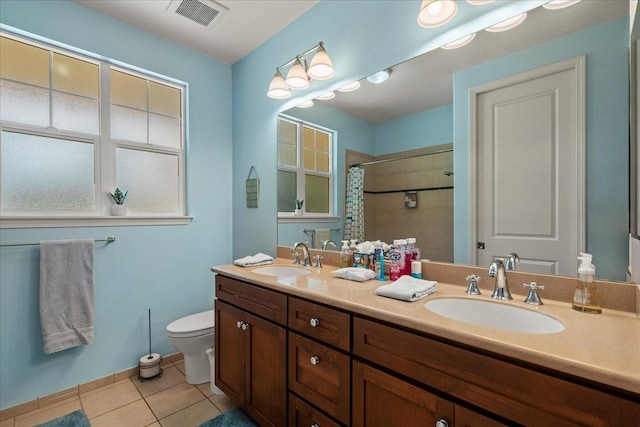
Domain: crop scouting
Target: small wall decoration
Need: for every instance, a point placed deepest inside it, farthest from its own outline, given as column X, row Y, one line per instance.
column 411, row 199
column 253, row 188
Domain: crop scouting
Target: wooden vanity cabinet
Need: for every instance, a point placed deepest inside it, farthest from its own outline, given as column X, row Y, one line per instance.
column 251, row 350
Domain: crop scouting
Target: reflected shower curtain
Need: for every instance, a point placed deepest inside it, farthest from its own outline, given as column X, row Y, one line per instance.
column 354, row 205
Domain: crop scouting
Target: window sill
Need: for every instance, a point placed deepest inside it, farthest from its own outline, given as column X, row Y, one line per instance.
column 290, row 218
column 91, row 221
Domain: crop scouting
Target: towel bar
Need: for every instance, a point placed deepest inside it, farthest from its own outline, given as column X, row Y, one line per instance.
column 109, row 239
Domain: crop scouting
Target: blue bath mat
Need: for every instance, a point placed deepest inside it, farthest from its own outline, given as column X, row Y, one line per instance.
column 74, row 419
column 234, row 417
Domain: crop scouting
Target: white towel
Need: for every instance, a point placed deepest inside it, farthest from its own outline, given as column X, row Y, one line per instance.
column 407, row 288
column 355, row 273
column 253, row 260
column 67, row 296
column 320, row 235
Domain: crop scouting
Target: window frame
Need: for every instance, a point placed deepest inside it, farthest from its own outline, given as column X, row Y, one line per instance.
column 301, row 171
column 104, row 150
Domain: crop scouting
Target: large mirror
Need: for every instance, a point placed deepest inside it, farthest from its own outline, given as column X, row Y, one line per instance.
column 411, row 137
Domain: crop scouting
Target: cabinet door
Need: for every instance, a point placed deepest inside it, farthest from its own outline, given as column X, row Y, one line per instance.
column 265, row 378
column 230, row 343
column 467, row 418
column 301, row 414
column 381, row 400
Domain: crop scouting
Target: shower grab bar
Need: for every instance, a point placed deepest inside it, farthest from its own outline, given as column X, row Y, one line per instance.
column 109, row 239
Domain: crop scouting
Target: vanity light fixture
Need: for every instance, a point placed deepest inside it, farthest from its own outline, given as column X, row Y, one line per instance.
column 479, row 2
column 380, row 76
column 460, row 42
column 302, row 73
column 350, row 87
column 326, row 96
column 434, row 13
column 559, row 4
column 306, row 104
column 507, row 24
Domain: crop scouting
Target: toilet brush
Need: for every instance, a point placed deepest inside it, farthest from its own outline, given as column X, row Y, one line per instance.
column 149, row 366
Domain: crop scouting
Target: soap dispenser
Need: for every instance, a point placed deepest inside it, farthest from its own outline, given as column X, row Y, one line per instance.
column 345, row 255
column 586, row 297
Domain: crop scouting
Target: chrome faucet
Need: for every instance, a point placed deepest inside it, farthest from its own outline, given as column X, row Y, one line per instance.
column 327, row 244
column 498, row 269
column 305, row 251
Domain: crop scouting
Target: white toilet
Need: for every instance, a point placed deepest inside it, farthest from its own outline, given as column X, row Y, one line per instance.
column 193, row 335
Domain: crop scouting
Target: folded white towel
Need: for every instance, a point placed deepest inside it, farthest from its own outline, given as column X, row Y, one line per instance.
column 253, row 260
column 407, row 288
column 355, row 273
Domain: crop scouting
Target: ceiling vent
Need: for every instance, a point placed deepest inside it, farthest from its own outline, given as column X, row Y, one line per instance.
column 206, row 13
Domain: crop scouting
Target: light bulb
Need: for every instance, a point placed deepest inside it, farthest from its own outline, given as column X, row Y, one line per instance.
column 559, row 4
column 297, row 76
column 278, row 88
column 321, row 67
column 507, row 24
column 460, row 42
column 434, row 13
column 306, row 104
column 350, row 87
column 326, row 96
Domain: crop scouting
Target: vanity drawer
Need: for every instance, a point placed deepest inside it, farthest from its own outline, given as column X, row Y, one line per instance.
column 321, row 375
column 263, row 302
column 322, row 323
column 301, row 414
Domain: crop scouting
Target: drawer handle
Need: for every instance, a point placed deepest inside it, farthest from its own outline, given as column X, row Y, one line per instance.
column 315, row 360
column 242, row 325
column 315, row 425
column 442, row 423
column 314, row 322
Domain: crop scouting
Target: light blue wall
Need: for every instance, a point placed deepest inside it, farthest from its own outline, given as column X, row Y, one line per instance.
column 607, row 137
column 361, row 38
column 165, row 268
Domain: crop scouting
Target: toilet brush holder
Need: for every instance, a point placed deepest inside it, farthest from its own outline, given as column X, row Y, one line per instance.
column 150, row 366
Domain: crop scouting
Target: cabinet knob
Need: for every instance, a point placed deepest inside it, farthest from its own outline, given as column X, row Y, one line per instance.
column 315, row 425
column 314, row 321
column 315, row 360
column 239, row 324
column 242, row 325
column 442, row 423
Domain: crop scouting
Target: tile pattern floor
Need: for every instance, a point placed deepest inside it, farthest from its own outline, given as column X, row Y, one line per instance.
column 167, row 401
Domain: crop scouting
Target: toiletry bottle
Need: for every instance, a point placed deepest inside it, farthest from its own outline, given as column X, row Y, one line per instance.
column 415, row 251
column 396, row 261
column 586, row 297
column 406, row 270
column 345, row 255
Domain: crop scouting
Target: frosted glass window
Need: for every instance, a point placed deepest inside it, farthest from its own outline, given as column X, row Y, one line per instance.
column 322, row 162
column 165, row 100
column 165, row 131
column 42, row 173
column 75, row 113
column 309, row 138
column 322, row 141
column 24, row 103
column 317, row 193
column 287, row 155
column 287, row 184
column 309, row 159
column 129, row 124
column 128, row 90
column 151, row 178
column 25, row 63
column 287, row 143
column 75, row 76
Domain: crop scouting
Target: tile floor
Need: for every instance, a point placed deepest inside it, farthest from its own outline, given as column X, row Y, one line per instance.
column 167, row 401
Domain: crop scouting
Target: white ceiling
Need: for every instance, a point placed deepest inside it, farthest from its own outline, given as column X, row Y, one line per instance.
column 246, row 25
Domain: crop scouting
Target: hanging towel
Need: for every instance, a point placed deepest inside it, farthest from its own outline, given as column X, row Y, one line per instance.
column 354, row 205
column 407, row 288
column 67, row 296
column 253, row 260
column 319, row 236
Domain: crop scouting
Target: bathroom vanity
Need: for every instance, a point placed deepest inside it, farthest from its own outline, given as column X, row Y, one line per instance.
column 312, row 350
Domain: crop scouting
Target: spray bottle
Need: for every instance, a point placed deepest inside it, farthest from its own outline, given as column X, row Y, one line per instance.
column 586, row 297
column 345, row 255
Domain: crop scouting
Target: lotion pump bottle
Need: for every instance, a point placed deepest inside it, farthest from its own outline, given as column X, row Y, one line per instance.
column 586, row 297
column 345, row 255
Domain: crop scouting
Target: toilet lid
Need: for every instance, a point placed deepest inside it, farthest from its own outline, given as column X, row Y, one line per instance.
column 194, row 323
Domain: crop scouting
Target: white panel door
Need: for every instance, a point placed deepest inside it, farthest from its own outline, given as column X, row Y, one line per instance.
column 529, row 170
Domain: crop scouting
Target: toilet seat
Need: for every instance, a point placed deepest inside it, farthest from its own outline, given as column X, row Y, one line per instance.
column 194, row 325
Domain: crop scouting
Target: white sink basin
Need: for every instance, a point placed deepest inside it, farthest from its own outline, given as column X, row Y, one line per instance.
column 281, row 271
column 495, row 315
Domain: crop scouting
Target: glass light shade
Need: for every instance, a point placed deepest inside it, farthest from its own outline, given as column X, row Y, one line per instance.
column 460, row 42
column 350, row 87
column 379, row 77
column 434, row 13
column 297, row 76
column 306, row 104
column 507, row 24
column 479, row 2
column 326, row 96
column 321, row 67
column 278, row 88
column 559, row 4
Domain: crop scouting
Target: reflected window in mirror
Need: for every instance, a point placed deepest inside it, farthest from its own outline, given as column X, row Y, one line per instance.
column 305, row 168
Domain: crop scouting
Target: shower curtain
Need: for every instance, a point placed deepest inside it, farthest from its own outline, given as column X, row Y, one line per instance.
column 354, row 205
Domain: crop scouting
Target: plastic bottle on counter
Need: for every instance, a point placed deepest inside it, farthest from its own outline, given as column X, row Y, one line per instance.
column 415, row 251
column 345, row 255
column 396, row 261
column 586, row 298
